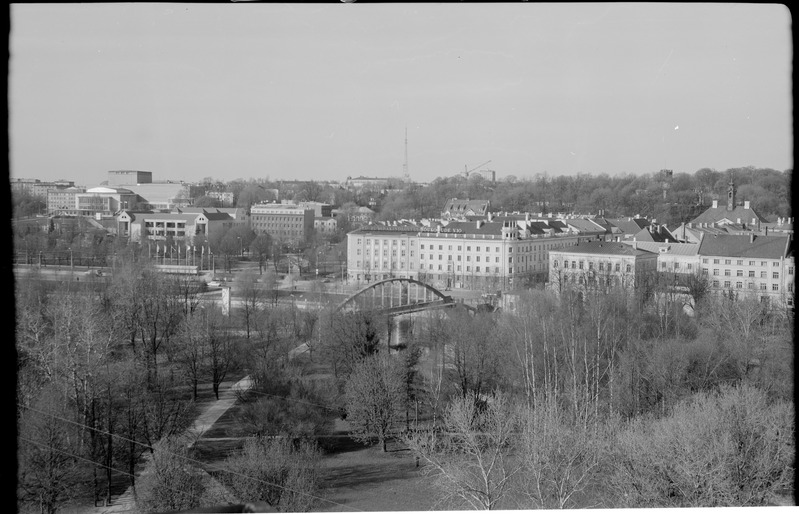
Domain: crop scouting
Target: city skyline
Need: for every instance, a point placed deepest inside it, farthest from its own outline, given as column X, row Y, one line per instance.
column 323, row 92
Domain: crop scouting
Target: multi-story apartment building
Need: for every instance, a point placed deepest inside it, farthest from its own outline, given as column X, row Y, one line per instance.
column 481, row 254
column 600, row 266
column 750, row 266
column 63, row 202
column 290, row 223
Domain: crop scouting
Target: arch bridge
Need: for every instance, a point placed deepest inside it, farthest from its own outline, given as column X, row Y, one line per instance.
column 396, row 296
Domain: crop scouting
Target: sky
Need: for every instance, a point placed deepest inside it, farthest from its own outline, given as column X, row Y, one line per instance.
column 325, row 91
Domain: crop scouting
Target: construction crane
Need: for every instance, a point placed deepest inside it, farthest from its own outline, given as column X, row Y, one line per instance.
column 467, row 171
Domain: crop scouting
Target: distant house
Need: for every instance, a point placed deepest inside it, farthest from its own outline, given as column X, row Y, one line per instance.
column 730, row 214
column 456, row 208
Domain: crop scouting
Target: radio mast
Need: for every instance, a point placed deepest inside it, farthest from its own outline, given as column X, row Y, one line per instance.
column 405, row 175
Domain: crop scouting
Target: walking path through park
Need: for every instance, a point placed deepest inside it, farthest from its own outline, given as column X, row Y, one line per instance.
column 205, row 420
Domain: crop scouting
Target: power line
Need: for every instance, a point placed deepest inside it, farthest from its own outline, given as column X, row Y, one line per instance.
column 189, row 459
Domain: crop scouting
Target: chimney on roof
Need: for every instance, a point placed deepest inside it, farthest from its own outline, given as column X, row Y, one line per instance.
column 746, row 204
column 490, row 216
column 479, row 224
column 715, row 204
column 751, row 237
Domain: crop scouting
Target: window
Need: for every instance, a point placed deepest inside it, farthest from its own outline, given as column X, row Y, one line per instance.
column 763, row 287
column 690, row 265
column 751, row 274
column 629, row 268
column 477, row 269
column 555, row 264
column 601, row 266
column 727, row 261
column 449, row 248
column 715, row 261
column 739, row 262
column 790, row 287
column 704, row 261
column 421, row 246
column 751, row 263
column 715, row 283
column 590, row 265
column 662, row 265
column 704, row 271
column 739, row 273
column 617, row 266
column 775, row 275
column 775, row 287
column 716, row 272
column 581, row 264
column 763, row 274
column 726, row 273
column 677, row 266
column 726, row 284
column 459, row 248
column 478, row 258
column 739, row 285
column 775, row 264
column 574, row 264
column 763, row 263
column 790, row 270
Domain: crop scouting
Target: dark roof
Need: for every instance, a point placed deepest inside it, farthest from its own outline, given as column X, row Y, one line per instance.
column 655, row 234
column 604, row 248
column 217, row 216
column 766, row 247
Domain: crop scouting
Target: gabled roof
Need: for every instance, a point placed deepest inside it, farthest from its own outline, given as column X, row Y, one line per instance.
column 766, row 247
column 720, row 213
column 460, row 206
column 586, row 226
column 628, row 225
column 655, row 233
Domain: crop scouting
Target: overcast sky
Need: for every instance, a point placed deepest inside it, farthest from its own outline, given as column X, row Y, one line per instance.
column 326, row 91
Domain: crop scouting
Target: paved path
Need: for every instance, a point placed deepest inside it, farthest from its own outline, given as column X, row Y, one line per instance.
column 205, row 420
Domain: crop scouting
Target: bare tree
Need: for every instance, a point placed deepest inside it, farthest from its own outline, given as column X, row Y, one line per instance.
column 50, row 462
column 275, row 471
column 472, row 463
column 374, row 398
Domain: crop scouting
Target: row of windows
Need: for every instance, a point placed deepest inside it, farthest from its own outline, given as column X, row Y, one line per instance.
column 740, row 273
column 740, row 262
column 359, row 241
column 602, row 265
column 750, row 285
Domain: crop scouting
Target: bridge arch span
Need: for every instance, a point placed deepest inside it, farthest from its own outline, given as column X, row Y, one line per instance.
column 436, row 297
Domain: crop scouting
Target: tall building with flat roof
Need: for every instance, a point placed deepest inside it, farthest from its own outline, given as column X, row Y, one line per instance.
column 129, row 177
